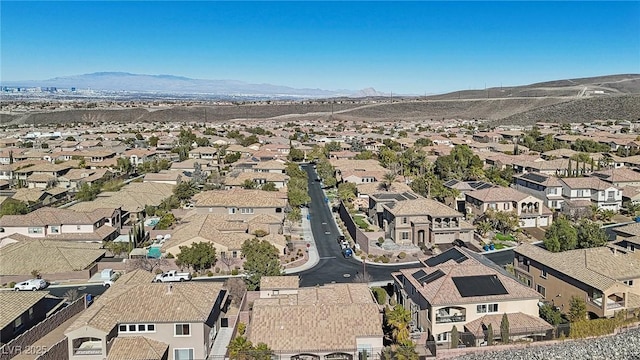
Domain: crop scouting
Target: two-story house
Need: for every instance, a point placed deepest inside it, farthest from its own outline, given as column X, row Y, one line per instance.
column 459, row 288
column 461, row 188
column 408, row 218
column 530, row 210
column 257, row 178
column 606, row 278
column 334, row 321
column 592, row 190
column 171, row 321
column 547, row 188
column 20, row 311
column 243, row 202
column 204, row 153
column 62, row 224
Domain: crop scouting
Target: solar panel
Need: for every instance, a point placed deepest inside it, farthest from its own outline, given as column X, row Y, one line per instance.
column 451, row 183
column 479, row 285
column 432, row 277
column 419, row 274
column 535, row 177
column 451, row 254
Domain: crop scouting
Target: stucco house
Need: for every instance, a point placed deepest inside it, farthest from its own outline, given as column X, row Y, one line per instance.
column 530, row 210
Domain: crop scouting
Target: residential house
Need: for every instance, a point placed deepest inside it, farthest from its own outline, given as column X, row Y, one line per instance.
column 161, row 321
column 243, row 202
column 75, row 178
column 619, row 177
column 530, row 210
column 65, row 224
column 462, row 187
column 257, row 178
column 204, row 153
column 278, row 285
column 20, row 311
column 41, row 175
column 273, row 166
column 628, row 236
column 407, row 218
column 140, row 156
column 340, row 321
column 606, row 278
column 462, row 289
column 170, row 177
column 592, row 190
column 547, row 188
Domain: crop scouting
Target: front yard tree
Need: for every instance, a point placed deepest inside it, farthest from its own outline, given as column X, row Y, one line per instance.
column 347, row 191
column 296, row 155
column 455, row 337
column 185, row 190
column 398, row 320
column 261, row 259
column 269, row 186
column 13, row 207
column 199, row 255
column 561, row 236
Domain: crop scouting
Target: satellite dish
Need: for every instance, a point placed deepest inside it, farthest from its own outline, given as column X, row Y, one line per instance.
column 167, row 237
column 159, row 237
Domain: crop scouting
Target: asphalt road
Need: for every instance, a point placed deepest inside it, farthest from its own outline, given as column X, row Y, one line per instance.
column 333, row 267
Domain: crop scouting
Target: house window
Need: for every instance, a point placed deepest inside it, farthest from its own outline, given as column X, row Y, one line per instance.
column 543, row 273
column 404, row 220
column 554, row 204
column 246, row 211
column 151, row 327
column 35, row 230
column 493, row 307
column 182, row 354
column 506, row 206
column 78, row 227
column 485, row 308
column 480, row 309
column 234, row 254
column 136, row 328
column 541, row 290
column 55, row 229
column 132, row 328
column 17, row 323
column 183, row 330
column 405, row 235
column 232, row 210
column 629, row 282
column 31, row 312
column 493, row 206
column 443, row 337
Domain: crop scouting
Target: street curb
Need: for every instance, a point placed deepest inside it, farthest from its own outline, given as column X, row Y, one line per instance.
column 387, row 264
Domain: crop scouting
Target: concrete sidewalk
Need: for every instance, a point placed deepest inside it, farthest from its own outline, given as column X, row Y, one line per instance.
column 314, row 257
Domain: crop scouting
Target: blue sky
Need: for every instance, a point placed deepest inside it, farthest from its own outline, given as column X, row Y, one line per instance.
column 404, row 47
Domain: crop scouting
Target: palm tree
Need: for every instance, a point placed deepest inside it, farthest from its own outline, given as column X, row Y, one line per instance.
column 240, row 348
column 388, row 179
column 398, row 319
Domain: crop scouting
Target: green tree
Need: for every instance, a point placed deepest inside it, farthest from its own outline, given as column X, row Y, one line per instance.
column 13, row 207
column 249, row 184
column 269, row 186
column 261, row 259
column 185, row 190
column 561, row 236
column 364, row 155
column 139, row 136
column 483, row 227
column 347, row 191
column 326, row 172
column 550, row 314
column 590, row 234
column 398, row 320
column 239, row 348
column 577, row 309
column 388, row 179
column 490, row 335
column 295, row 215
column 153, row 141
column 88, row 192
column 455, row 337
column 504, row 329
column 166, row 221
column 199, row 256
column 295, row 155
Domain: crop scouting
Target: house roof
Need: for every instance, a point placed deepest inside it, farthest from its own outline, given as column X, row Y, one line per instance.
column 189, row 302
column 586, row 183
column 376, row 187
column 332, row 316
column 599, row 267
column 498, row 194
column 519, row 323
column 132, row 197
column 267, row 176
column 619, row 175
column 240, row 198
column 421, row 206
column 279, row 282
column 54, row 216
column 137, row 348
column 15, row 303
column 48, row 256
column 453, row 279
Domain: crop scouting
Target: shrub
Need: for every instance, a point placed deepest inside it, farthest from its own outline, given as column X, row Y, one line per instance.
column 402, row 255
column 209, row 273
column 385, row 259
column 12, row 284
column 380, row 294
column 242, row 328
column 260, row 233
column 170, row 256
column 588, row 328
column 370, row 256
column 235, row 272
column 217, row 270
column 358, row 252
column 158, row 271
column 293, row 259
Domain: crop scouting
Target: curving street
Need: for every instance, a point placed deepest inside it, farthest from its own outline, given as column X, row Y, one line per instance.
column 333, row 267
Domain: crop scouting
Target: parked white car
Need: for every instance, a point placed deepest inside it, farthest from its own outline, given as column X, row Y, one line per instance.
column 172, row 276
column 33, row 285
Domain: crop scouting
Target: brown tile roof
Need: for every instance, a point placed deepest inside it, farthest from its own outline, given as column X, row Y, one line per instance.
column 597, row 267
column 15, row 303
column 519, row 323
column 240, row 198
column 586, row 183
column 47, row 256
column 279, row 282
column 332, row 316
column 137, row 348
column 498, row 194
column 189, row 302
column 619, row 175
column 53, row 216
column 421, row 206
column 243, row 176
column 271, row 165
column 131, row 198
column 376, row 187
column 28, row 195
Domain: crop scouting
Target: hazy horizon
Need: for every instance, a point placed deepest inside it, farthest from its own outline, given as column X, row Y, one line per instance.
column 406, row 48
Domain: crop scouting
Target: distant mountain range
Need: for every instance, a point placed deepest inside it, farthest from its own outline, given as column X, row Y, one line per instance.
column 170, row 84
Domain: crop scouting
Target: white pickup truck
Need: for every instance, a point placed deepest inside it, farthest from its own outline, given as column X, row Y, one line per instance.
column 172, row 276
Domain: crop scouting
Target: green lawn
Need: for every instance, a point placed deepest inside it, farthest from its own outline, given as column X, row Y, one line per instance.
column 503, row 237
column 359, row 220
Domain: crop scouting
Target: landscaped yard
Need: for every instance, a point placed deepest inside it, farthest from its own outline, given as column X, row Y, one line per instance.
column 503, row 237
column 360, row 221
